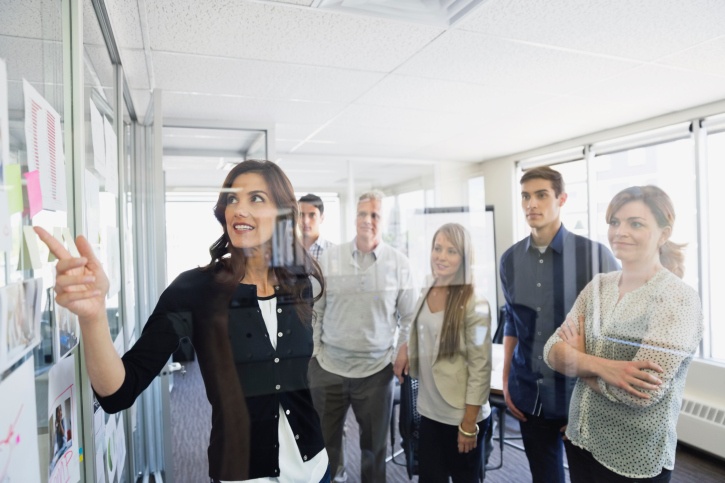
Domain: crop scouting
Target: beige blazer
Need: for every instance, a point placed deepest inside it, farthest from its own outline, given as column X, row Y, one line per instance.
column 466, row 378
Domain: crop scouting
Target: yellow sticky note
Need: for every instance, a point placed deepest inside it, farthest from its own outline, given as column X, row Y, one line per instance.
column 14, row 187
column 63, row 235
column 30, row 251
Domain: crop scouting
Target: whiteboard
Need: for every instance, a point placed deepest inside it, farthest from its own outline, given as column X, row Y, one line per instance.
column 481, row 226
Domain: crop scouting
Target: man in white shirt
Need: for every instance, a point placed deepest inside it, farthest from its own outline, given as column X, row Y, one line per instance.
column 361, row 321
column 312, row 214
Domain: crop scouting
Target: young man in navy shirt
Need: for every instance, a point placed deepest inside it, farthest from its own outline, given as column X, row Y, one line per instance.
column 541, row 277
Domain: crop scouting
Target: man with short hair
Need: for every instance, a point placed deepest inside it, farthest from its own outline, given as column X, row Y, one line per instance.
column 541, row 277
column 312, row 214
column 361, row 321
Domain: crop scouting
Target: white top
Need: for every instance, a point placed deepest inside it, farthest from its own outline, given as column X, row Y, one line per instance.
column 430, row 402
column 292, row 468
column 661, row 322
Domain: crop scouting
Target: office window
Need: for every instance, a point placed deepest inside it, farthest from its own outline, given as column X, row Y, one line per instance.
column 716, row 256
column 668, row 165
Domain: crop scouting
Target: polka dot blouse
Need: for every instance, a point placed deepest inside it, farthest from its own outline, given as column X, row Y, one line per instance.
column 661, row 322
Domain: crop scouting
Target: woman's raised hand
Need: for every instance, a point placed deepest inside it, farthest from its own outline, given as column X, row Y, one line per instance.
column 81, row 284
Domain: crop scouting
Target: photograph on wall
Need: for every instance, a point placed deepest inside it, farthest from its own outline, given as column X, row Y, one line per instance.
column 63, row 445
column 19, row 326
column 65, row 331
column 60, row 433
column 19, row 461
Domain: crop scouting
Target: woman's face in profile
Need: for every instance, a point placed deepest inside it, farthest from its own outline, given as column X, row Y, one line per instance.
column 250, row 213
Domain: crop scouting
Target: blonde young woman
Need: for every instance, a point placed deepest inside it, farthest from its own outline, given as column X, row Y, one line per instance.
column 450, row 354
column 629, row 339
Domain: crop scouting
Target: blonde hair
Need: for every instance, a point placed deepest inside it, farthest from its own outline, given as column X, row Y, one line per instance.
column 672, row 256
column 460, row 290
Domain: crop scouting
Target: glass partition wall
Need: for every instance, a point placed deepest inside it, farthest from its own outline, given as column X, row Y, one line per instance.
column 62, row 168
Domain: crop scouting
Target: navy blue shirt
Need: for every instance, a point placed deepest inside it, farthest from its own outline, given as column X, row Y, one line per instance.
column 540, row 289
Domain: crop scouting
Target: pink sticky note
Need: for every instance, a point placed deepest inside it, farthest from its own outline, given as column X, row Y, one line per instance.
column 35, row 197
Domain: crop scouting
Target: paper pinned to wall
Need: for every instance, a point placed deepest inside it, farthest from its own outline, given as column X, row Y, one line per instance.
column 6, row 231
column 13, row 187
column 35, row 195
column 44, row 140
column 98, row 160
column 19, row 459
column 30, row 251
column 93, row 208
column 62, row 425
column 113, row 260
column 64, row 236
column 4, row 125
column 19, row 320
column 111, row 179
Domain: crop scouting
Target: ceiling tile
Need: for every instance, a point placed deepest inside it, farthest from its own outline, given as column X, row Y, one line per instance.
column 380, row 135
column 396, row 118
column 233, row 108
column 294, row 132
column 283, row 33
column 92, row 34
column 668, row 88
column 304, row 3
column 141, row 100
column 476, row 58
column 31, row 19
column 643, row 29
column 26, row 62
column 252, row 78
column 125, row 22
column 134, row 66
column 448, row 96
column 708, row 57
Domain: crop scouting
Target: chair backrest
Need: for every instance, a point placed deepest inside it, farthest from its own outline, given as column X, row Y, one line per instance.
column 409, row 423
column 498, row 335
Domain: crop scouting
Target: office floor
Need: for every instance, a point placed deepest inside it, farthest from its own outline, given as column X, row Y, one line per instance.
column 190, row 419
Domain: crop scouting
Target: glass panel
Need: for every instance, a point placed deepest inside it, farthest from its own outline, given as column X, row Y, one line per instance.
column 716, row 257
column 31, row 47
column 190, row 230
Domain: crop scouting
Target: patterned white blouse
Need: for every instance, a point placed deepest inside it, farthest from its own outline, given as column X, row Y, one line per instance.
column 661, row 322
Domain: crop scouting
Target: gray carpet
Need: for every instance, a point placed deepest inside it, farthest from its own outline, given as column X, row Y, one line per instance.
column 191, row 415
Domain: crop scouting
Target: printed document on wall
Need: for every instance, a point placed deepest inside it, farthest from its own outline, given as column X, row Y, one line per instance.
column 6, row 238
column 44, row 139
column 4, row 126
column 62, row 425
column 19, row 460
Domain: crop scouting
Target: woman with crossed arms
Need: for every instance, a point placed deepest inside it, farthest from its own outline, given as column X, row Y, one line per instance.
column 629, row 339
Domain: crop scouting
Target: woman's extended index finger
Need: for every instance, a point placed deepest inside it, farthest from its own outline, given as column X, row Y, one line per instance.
column 53, row 244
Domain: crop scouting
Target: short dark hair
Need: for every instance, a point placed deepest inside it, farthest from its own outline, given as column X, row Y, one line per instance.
column 313, row 200
column 545, row 172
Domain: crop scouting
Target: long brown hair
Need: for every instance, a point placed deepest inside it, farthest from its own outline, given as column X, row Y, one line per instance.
column 672, row 256
column 229, row 262
column 460, row 290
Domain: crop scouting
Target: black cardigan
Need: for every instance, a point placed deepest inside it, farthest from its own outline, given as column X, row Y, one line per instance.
column 195, row 306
